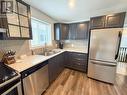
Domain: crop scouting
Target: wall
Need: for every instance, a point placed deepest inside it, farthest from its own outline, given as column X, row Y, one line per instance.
column 124, row 35
column 39, row 15
column 79, row 44
column 22, row 46
column 125, row 23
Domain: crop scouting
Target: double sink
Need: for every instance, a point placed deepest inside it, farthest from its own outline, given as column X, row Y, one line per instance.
column 50, row 52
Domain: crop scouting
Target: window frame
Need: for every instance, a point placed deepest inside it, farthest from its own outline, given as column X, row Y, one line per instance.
column 43, row 45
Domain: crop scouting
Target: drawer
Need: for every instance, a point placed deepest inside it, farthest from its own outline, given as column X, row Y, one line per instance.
column 77, row 61
column 77, row 55
column 79, row 64
column 102, row 71
column 80, row 67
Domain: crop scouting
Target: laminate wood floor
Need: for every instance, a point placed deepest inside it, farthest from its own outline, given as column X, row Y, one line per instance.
column 72, row 82
column 121, row 68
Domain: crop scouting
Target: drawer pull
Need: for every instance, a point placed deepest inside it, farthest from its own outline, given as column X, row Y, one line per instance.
column 25, row 75
column 80, row 64
column 79, row 59
column 80, row 54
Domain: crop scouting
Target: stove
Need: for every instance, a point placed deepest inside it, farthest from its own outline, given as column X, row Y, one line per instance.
column 7, row 74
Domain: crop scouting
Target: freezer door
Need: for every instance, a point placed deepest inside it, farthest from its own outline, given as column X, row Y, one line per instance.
column 102, row 71
column 104, row 44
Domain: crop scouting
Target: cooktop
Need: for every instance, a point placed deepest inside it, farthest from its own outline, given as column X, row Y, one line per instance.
column 6, row 73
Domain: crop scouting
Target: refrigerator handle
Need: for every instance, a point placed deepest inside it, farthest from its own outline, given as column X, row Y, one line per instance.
column 119, row 41
column 103, row 63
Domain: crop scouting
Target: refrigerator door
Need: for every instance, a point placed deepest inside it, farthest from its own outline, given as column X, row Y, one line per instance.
column 104, row 44
column 103, row 71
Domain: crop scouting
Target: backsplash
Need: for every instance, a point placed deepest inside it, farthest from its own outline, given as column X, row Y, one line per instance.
column 76, row 44
column 20, row 46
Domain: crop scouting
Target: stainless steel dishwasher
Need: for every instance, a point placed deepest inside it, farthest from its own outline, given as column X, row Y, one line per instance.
column 35, row 79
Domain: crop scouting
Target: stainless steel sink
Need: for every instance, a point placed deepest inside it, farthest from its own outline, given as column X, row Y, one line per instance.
column 51, row 52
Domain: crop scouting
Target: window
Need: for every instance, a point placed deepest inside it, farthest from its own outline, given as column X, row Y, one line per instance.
column 41, row 32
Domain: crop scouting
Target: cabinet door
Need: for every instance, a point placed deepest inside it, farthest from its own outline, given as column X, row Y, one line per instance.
column 23, row 21
column 64, row 31
column 25, row 32
column 13, row 19
column 56, row 66
column 72, row 31
column 57, row 31
column 60, row 62
column 51, row 67
column 82, row 30
column 66, row 58
column 97, row 22
column 1, row 23
column 61, row 31
column 69, row 59
column 116, row 20
column 52, row 70
column 14, row 31
column 4, row 23
column 23, row 9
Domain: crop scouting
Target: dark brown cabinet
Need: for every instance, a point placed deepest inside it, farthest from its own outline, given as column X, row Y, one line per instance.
column 1, row 23
column 18, row 24
column 65, row 30
column 56, row 66
column 72, row 31
column 2, row 29
column 97, row 22
column 116, row 20
column 79, row 31
column 77, row 61
column 108, row 21
column 61, row 31
column 82, row 30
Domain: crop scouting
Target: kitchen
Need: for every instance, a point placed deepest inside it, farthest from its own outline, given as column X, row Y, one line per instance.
column 48, row 49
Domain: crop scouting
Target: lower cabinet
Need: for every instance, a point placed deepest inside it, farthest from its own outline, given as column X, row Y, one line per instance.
column 72, row 60
column 77, row 61
column 56, row 66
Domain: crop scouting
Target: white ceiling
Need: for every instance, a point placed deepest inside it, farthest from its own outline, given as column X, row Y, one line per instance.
column 78, row 10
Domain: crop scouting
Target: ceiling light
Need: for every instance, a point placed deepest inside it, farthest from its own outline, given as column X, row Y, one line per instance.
column 71, row 3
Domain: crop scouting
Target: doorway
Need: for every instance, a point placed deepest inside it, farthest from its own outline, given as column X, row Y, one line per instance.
column 122, row 58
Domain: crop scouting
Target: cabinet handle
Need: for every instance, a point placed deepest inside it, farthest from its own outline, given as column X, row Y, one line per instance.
column 80, row 54
column 78, row 64
column 25, row 75
column 79, row 59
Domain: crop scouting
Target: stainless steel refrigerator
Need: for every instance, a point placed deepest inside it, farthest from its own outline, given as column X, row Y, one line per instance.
column 103, row 52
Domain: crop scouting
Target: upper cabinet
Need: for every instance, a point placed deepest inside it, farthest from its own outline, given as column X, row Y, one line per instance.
column 115, row 20
column 82, row 30
column 61, row 31
column 108, row 21
column 73, row 31
column 64, row 29
column 17, row 23
column 79, row 31
column 97, row 22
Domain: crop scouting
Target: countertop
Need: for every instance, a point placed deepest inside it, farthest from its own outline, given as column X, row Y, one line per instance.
column 79, row 50
column 30, row 61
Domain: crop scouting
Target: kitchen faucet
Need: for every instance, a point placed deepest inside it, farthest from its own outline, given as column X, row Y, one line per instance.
column 45, row 50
